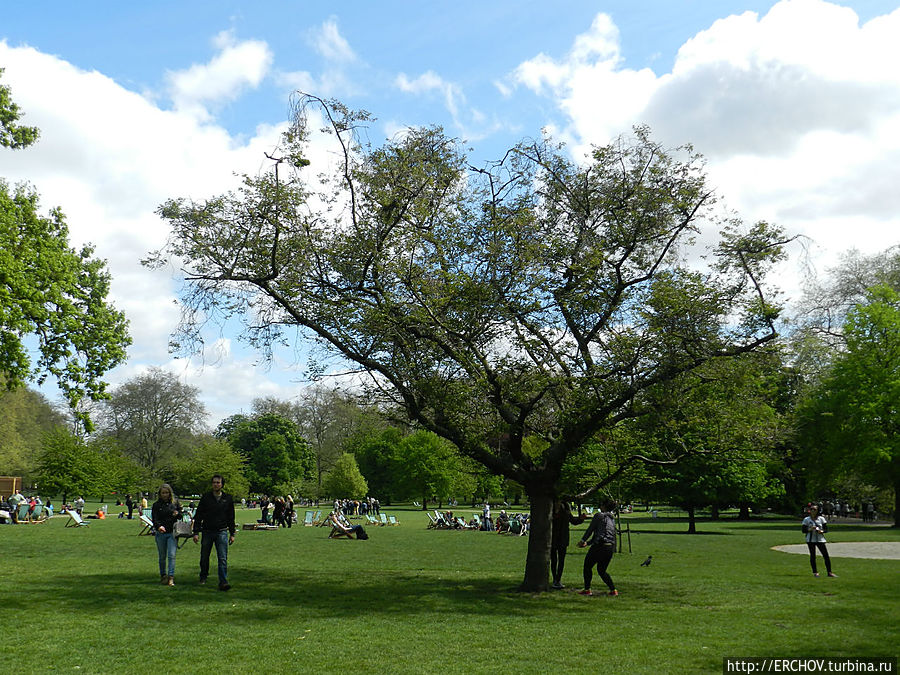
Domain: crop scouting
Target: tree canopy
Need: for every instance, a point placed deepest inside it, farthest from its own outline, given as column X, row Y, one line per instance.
column 52, row 292
column 534, row 296
column 850, row 423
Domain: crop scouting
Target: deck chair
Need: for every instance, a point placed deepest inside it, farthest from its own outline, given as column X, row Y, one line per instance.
column 38, row 515
column 382, row 519
column 22, row 512
column 146, row 525
column 432, row 522
column 75, row 519
column 393, row 520
column 417, row 505
column 372, row 520
column 308, row 519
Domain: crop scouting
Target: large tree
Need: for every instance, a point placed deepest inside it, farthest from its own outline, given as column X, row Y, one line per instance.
column 52, row 292
column 533, row 296
column 850, row 423
column 153, row 417
column 277, row 455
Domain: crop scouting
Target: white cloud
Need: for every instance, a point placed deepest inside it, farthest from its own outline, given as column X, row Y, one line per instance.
column 329, row 42
column 339, row 56
column 108, row 157
column 798, row 112
column 238, row 65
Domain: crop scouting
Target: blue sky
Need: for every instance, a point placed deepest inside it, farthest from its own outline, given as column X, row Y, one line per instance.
column 796, row 105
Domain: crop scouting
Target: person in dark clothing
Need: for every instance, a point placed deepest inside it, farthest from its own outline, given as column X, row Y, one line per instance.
column 559, row 539
column 129, row 504
column 165, row 511
column 601, row 534
column 214, row 519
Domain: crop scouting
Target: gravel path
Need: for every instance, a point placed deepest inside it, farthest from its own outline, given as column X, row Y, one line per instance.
column 882, row 550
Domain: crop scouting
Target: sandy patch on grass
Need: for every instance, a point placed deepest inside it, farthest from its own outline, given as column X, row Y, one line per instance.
column 882, row 550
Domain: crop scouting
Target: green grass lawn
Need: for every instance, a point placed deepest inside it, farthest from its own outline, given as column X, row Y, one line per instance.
column 412, row 600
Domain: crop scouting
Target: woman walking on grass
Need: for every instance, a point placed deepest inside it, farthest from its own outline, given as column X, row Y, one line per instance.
column 815, row 527
column 166, row 510
column 601, row 534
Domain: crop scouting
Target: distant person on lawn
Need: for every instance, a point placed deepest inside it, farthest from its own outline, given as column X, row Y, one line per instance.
column 166, row 510
column 214, row 519
column 814, row 527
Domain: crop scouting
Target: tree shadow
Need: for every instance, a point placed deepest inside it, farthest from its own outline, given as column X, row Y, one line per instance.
column 381, row 593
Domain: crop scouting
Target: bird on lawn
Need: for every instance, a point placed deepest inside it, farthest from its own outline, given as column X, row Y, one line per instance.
column 647, row 562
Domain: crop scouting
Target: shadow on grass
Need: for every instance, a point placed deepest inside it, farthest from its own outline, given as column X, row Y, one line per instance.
column 698, row 532
column 260, row 596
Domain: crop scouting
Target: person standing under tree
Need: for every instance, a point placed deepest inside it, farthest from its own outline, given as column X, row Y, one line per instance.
column 559, row 539
column 814, row 527
column 214, row 519
column 601, row 534
column 166, row 510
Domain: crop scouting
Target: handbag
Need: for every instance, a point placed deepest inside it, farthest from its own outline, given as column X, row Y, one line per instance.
column 183, row 528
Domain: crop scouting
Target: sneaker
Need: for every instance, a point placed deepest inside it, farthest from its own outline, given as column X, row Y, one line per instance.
column 832, row 574
column 556, row 585
column 203, row 582
column 163, row 579
column 170, row 581
column 816, row 574
column 586, row 591
column 613, row 592
column 224, row 587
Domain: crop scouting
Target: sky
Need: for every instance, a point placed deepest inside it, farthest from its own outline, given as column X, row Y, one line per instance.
column 795, row 105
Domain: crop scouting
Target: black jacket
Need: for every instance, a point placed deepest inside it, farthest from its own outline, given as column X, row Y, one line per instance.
column 602, row 530
column 165, row 514
column 214, row 515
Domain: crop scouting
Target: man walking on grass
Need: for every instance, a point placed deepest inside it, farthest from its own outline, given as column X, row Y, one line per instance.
column 214, row 519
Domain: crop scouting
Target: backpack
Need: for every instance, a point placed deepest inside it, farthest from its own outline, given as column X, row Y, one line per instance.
column 361, row 533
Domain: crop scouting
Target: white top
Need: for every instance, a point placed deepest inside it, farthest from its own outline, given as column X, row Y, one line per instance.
column 815, row 536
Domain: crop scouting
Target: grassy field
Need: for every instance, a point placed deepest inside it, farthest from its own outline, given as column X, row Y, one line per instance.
column 412, row 600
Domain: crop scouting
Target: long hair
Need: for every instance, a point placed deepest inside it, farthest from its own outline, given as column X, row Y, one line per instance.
column 172, row 498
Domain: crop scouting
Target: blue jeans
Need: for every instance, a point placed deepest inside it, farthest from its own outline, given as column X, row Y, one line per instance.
column 165, row 544
column 220, row 539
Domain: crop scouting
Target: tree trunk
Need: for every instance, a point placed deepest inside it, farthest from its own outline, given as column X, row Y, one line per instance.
column 744, row 513
column 537, row 561
column 692, row 520
column 714, row 512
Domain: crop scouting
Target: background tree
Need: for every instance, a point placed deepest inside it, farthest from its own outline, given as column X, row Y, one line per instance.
column 326, row 417
column 208, row 456
column 345, row 481
column 850, row 423
column 427, row 467
column 51, row 291
column 535, row 296
column 153, row 417
column 276, row 454
column 375, row 451
column 25, row 418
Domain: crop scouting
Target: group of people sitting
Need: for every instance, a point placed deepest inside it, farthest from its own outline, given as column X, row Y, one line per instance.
column 19, row 508
column 504, row 523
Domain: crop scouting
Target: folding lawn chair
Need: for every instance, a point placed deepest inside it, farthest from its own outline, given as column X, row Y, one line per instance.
column 75, row 519
column 146, row 525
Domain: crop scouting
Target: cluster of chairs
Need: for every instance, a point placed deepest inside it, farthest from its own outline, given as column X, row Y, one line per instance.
column 515, row 523
column 381, row 520
column 39, row 515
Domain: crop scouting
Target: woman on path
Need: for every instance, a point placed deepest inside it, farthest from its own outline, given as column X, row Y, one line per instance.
column 166, row 510
column 815, row 527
